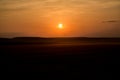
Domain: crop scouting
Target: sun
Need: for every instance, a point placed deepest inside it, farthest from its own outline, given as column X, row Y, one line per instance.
column 60, row 26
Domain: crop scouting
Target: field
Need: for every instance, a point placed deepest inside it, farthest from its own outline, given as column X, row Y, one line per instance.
column 89, row 58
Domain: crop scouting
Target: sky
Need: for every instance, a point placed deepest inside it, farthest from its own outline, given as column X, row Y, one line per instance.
column 40, row 18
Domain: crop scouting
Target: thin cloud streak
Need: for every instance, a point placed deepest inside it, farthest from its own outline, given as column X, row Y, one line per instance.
column 110, row 21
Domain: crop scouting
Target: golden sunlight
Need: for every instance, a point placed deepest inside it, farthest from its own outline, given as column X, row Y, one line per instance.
column 60, row 26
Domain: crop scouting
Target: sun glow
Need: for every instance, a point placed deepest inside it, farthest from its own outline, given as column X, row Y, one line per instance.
column 60, row 26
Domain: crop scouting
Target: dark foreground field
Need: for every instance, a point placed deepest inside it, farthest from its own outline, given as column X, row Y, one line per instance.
column 89, row 58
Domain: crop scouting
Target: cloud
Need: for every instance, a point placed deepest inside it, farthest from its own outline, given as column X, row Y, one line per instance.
column 75, row 7
column 12, row 34
column 110, row 21
column 16, row 5
column 58, row 3
column 13, row 9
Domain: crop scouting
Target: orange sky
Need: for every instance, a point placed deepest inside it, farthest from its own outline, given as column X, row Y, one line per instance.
column 84, row 18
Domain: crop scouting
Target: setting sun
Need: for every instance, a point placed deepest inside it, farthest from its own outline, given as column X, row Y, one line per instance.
column 60, row 26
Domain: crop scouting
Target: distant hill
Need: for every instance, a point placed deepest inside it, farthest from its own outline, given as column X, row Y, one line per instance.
column 61, row 40
column 28, row 38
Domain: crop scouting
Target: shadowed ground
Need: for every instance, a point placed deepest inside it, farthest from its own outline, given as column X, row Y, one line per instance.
column 89, row 59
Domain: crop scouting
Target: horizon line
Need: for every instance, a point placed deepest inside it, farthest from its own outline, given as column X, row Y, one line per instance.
column 53, row 37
